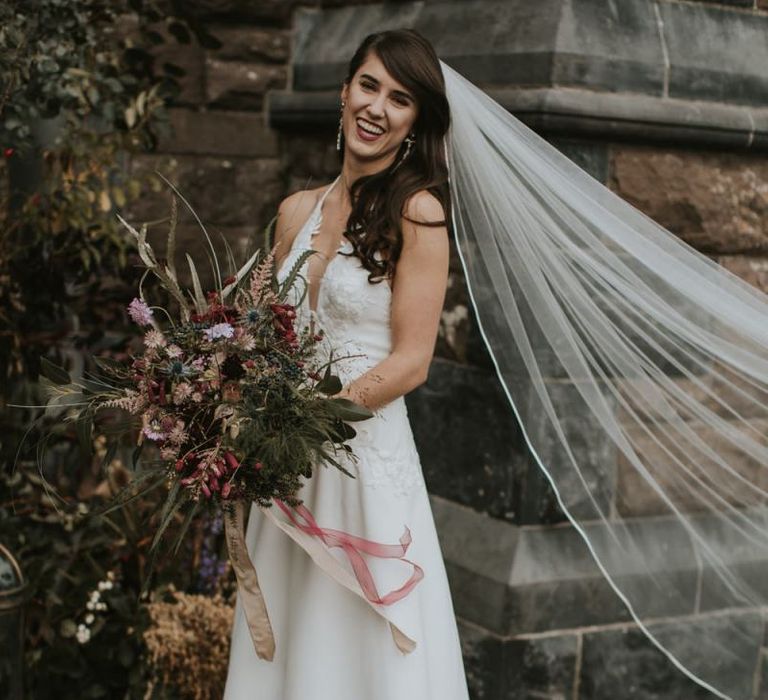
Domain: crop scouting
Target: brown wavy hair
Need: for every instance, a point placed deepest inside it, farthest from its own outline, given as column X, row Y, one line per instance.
column 378, row 200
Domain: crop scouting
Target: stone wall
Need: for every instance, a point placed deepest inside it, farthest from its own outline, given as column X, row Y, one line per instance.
column 651, row 98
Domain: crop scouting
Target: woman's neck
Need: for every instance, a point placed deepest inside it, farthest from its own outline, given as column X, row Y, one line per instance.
column 352, row 169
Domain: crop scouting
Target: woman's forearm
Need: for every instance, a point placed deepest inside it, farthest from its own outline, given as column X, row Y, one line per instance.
column 393, row 377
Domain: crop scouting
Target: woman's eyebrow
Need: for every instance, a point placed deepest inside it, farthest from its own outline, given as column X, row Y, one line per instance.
column 395, row 92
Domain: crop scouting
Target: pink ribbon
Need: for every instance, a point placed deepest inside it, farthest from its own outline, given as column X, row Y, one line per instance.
column 354, row 547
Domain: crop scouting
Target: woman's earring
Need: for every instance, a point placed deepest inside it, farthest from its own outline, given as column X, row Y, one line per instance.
column 409, row 141
column 338, row 134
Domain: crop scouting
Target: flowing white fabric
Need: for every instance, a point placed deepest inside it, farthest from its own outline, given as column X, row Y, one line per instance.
column 638, row 369
column 330, row 645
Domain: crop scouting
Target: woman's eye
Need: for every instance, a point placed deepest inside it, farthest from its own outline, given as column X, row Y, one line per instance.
column 401, row 101
column 367, row 86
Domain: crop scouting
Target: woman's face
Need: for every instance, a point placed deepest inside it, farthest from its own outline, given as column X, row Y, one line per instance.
column 379, row 113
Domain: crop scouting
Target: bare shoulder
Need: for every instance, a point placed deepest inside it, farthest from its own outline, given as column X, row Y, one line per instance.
column 423, row 206
column 424, row 220
column 292, row 213
column 298, row 205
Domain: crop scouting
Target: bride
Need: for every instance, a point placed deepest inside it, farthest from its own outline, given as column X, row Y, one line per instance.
column 620, row 349
column 376, row 286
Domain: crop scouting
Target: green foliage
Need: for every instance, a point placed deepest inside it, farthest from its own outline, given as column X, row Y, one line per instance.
column 66, row 551
column 80, row 91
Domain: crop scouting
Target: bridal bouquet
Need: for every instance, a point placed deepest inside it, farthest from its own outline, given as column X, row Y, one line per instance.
column 231, row 395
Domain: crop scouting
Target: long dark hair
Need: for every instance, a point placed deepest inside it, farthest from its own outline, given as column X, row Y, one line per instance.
column 378, row 200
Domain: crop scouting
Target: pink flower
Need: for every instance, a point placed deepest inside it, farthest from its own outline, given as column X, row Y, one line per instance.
column 140, row 313
column 154, row 339
column 154, row 434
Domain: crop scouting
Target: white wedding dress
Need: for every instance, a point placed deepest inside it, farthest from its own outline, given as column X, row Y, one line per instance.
column 330, row 644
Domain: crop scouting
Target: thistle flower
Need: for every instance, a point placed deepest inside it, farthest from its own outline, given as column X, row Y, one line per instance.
column 140, row 313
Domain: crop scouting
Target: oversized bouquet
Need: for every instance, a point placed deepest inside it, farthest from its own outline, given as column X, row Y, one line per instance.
column 230, row 394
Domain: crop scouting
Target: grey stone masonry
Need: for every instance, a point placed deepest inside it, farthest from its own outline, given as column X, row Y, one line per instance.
column 632, row 69
column 539, row 619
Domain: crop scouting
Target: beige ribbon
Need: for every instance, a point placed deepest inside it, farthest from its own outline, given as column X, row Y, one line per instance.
column 251, row 596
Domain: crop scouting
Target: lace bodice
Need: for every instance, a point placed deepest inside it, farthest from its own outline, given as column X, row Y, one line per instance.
column 355, row 318
column 352, row 312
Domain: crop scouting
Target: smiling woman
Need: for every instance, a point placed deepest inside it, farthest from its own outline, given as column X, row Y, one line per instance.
column 377, row 283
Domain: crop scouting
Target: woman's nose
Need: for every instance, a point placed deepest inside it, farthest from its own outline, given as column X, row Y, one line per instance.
column 376, row 106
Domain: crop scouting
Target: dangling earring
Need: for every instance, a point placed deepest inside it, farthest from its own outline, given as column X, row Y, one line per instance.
column 409, row 141
column 341, row 122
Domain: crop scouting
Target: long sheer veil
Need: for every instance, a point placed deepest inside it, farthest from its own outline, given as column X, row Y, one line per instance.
column 603, row 324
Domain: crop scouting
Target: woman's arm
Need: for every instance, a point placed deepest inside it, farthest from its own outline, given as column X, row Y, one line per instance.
column 418, row 294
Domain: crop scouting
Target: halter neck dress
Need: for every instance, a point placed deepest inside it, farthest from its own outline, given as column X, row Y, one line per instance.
column 330, row 645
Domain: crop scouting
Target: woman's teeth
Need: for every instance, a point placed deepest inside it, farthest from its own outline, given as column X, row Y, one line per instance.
column 368, row 131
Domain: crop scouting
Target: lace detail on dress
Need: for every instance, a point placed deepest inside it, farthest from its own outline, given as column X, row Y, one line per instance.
column 387, row 456
column 355, row 318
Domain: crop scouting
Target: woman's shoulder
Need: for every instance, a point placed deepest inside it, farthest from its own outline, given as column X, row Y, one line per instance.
column 423, row 206
column 300, row 201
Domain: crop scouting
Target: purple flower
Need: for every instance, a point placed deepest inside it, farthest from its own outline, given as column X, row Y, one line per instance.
column 154, row 435
column 220, row 330
column 140, row 313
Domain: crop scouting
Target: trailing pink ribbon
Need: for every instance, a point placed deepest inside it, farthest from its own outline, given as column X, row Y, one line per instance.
column 354, row 547
column 317, row 542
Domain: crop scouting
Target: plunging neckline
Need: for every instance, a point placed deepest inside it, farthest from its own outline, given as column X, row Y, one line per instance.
column 313, row 232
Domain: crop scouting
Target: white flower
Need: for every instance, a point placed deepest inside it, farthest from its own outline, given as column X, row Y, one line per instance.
column 154, row 339
column 89, row 618
column 220, row 330
column 90, row 605
column 83, row 635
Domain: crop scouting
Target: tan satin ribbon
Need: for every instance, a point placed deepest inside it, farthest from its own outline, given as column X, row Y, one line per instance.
column 251, row 596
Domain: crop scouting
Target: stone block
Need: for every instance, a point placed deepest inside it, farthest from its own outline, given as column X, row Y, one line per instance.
column 729, row 3
column 762, row 683
column 716, row 202
column 252, row 44
column 612, row 47
column 623, row 663
column 636, row 496
column 226, row 192
column 235, row 85
column 695, row 33
column 190, row 59
column 541, row 668
column 583, row 465
column 751, row 269
column 498, row 42
column 518, row 669
column 219, row 133
column 309, row 157
column 456, row 318
column 467, row 438
column 273, row 11
column 514, row 580
column 483, row 662
column 589, row 156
